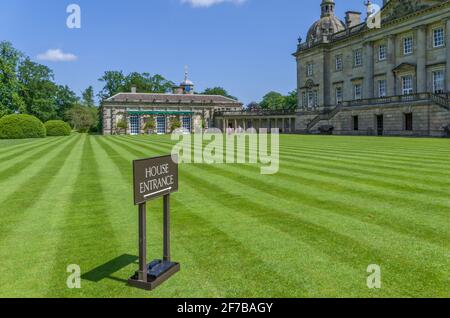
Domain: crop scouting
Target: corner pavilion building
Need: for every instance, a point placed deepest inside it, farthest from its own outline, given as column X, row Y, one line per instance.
column 192, row 110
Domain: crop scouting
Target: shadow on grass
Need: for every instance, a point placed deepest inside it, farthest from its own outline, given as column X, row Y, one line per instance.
column 108, row 269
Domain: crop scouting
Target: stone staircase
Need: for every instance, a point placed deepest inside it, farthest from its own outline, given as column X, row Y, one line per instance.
column 442, row 100
column 325, row 116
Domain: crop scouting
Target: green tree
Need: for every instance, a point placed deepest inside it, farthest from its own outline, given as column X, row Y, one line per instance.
column 273, row 101
column 218, row 91
column 65, row 100
column 116, row 82
column 88, row 98
column 81, row 118
column 291, row 100
column 38, row 90
column 10, row 99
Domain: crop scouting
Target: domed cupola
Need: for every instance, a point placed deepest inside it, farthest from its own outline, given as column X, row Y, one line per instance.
column 328, row 24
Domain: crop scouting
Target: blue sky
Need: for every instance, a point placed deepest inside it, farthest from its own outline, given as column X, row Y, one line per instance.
column 242, row 45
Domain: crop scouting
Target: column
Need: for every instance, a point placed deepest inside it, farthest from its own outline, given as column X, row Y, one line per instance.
column 447, row 44
column 368, row 70
column 421, row 72
column 390, row 76
column 282, row 125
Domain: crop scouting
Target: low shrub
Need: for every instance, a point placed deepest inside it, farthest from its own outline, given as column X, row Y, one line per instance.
column 21, row 126
column 57, row 128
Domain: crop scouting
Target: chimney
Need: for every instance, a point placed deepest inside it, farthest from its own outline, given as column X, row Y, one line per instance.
column 352, row 18
column 133, row 89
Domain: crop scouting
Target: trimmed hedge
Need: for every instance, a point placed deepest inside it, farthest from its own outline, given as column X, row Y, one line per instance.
column 58, row 128
column 20, row 126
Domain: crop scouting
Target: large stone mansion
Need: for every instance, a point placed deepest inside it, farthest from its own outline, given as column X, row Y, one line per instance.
column 386, row 76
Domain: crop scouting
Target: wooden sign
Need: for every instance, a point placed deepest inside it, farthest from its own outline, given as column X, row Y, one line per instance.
column 154, row 178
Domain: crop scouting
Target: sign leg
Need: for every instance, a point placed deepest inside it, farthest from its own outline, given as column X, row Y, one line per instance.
column 167, row 228
column 143, row 242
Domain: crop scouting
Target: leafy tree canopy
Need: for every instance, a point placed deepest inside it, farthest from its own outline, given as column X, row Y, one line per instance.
column 218, row 91
column 277, row 101
column 88, row 98
column 116, row 82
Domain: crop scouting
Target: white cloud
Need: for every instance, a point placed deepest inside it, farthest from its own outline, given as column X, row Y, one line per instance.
column 57, row 55
column 209, row 3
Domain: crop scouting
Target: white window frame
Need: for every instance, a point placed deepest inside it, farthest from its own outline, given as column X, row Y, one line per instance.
column 339, row 63
column 382, row 52
column 407, row 89
column 438, row 41
column 408, row 45
column 357, row 58
column 339, row 95
column 305, row 99
column 439, row 87
column 382, row 88
column 357, row 91
column 311, row 98
column 310, row 69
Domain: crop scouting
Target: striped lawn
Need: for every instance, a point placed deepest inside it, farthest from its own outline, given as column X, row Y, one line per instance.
column 337, row 205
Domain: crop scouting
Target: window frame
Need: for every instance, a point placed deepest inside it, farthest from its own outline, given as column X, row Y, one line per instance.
column 339, row 66
column 341, row 99
column 406, row 41
column 442, row 90
column 442, row 43
column 309, row 69
column 380, row 94
column 385, row 50
column 355, row 86
column 357, row 56
column 409, row 90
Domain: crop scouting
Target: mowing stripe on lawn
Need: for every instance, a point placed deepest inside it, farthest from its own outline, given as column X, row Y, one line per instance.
column 240, row 200
column 195, row 274
column 32, row 244
column 223, row 239
column 32, row 186
column 392, row 164
column 336, row 199
column 17, row 164
column 315, row 224
column 233, row 207
column 86, row 214
column 16, row 144
column 8, row 155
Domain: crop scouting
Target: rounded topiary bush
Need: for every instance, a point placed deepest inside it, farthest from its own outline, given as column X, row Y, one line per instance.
column 21, row 127
column 57, row 128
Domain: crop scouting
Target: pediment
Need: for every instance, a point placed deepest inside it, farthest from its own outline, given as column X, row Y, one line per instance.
column 395, row 9
column 405, row 67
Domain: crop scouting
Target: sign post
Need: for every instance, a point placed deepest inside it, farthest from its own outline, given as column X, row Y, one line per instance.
column 154, row 178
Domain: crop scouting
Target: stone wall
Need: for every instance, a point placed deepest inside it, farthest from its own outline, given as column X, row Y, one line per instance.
column 428, row 120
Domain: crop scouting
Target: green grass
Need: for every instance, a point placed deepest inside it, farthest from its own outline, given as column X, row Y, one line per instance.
column 337, row 205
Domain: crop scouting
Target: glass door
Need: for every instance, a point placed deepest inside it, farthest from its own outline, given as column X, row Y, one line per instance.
column 187, row 124
column 135, row 128
column 161, row 125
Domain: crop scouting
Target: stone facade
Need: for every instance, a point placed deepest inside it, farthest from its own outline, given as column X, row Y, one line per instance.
column 398, row 67
column 191, row 111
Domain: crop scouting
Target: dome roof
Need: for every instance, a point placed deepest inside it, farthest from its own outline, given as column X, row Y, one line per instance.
column 326, row 26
